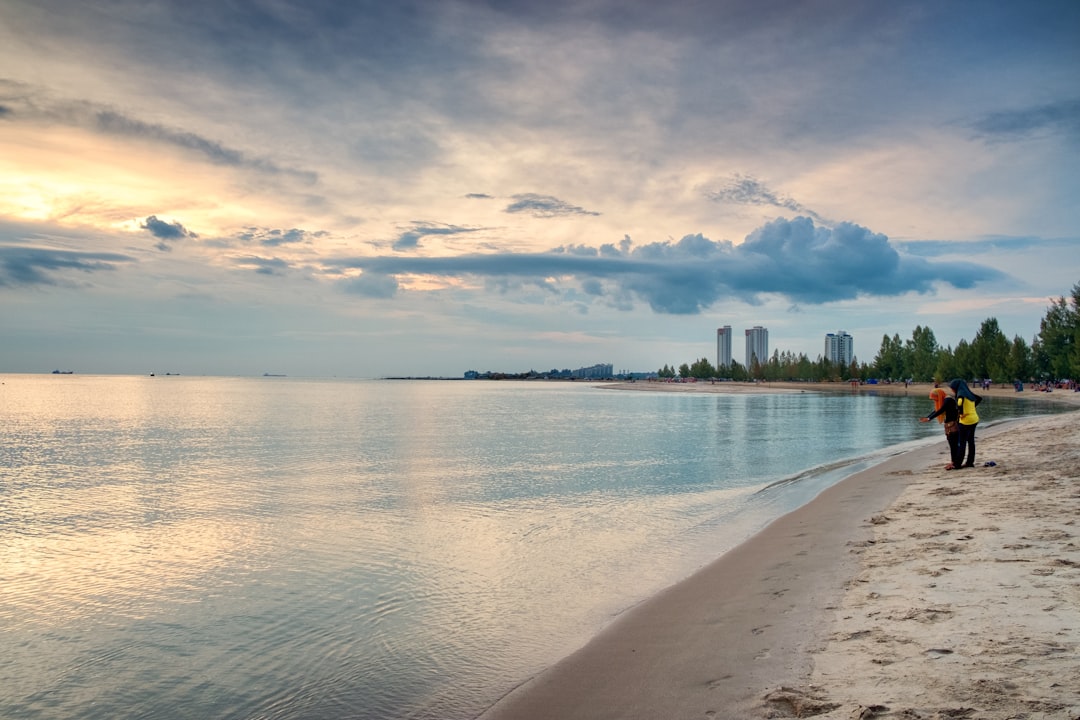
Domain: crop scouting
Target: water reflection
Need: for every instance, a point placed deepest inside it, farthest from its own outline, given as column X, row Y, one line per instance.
column 207, row 547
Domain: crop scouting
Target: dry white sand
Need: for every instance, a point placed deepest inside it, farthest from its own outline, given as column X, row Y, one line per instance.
column 905, row 591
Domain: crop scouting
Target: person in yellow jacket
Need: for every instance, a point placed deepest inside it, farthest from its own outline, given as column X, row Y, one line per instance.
column 969, row 418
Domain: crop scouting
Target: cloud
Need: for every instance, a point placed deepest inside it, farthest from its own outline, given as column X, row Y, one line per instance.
column 544, row 206
column 37, row 266
column 372, row 285
column 275, row 237
column 479, row 196
column 264, row 266
column 410, row 239
column 747, row 190
column 165, row 232
column 27, row 103
column 794, row 259
column 988, row 244
column 818, row 264
column 1061, row 117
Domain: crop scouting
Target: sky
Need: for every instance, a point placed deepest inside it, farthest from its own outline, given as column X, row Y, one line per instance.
column 419, row 187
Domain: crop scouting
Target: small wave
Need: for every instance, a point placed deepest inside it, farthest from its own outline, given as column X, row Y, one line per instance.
column 841, row 469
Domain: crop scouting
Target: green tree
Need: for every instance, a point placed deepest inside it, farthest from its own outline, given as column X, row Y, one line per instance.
column 756, row 369
column 789, row 366
column 702, row 369
column 1059, row 334
column 922, row 351
column 772, row 367
column 890, row 358
column 963, row 362
column 826, row 370
column 989, row 352
column 1074, row 357
column 684, row 371
column 1019, row 365
column 946, row 366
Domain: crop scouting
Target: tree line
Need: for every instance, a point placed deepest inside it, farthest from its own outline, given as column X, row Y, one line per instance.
column 1053, row 354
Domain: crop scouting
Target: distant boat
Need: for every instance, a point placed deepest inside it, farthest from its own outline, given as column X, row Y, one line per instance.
column 272, row 375
column 63, row 372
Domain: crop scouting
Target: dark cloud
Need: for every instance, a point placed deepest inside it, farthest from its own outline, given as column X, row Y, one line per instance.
column 990, row 244
column 264, row 266
column 1051, row 119
column 479, row 196
column 794, row 259
column 373, row 285
column 747, row 190
column 544, row 206
column 272, row 237
column 37, row 266
column 410, row 239
column 165, row 232
column 583, row 250
column 812, row 264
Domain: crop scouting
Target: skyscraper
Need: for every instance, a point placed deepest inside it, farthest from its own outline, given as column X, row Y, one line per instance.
column 757, row 345
column 723, row 347
column 839, row 348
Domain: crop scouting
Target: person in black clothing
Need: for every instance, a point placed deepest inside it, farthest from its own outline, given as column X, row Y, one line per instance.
column 968, row 419
column 947, row 414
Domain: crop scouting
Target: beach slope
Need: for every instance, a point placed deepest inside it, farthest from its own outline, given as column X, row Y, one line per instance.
column 905, row 591
column 967, row 604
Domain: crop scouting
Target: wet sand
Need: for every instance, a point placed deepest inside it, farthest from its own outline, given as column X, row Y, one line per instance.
column 905, row 591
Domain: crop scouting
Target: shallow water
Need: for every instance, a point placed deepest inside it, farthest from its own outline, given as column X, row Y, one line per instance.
column 283, row 548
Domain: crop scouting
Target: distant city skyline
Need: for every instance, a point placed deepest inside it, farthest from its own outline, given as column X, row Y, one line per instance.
column 839, row 346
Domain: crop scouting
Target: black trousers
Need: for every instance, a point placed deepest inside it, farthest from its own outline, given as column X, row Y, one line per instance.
column 966, row 442
column 955, row 452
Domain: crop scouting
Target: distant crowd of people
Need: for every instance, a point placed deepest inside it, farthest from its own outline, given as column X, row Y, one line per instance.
column 1048, row 385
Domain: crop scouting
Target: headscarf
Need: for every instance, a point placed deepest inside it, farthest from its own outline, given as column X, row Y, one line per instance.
column 938, row 396
column 962, row 391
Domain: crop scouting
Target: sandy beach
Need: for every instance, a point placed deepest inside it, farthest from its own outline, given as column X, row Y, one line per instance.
column 905, row 591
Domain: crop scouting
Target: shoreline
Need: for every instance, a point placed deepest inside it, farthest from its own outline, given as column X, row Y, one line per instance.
column 785, row 624
column 920, row 389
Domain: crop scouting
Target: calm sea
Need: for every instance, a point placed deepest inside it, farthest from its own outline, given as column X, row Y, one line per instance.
column 178, row 547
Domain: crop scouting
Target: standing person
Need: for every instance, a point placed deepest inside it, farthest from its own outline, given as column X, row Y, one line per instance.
column 947, row 414
column 969, row 418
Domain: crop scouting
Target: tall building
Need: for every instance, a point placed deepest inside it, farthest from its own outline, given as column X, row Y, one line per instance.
column 757, row 346
column 723, row 347
column 839, row 348
column 594, row 372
